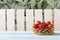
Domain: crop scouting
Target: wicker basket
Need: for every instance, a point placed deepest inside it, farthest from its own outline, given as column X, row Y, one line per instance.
column 43, row 32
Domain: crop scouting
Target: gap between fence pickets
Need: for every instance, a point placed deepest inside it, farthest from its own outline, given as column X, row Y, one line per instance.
column 20, row 18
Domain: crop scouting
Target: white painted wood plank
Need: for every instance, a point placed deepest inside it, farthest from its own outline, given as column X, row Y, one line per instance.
column 57, row 19
column 20, row 20
column 29, row 19
column 38, row 15
column 48, row 15
column 10, row 20
column 2, row 20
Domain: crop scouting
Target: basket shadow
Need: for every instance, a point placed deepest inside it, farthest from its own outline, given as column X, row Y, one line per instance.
column 56, row 34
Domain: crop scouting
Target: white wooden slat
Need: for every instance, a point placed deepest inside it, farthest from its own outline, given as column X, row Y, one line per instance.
column 48, row 15
column 2, row 20
column 57, row 19
column 10, row 20
column 20, row 20
column 29, row 19
column 38, row 15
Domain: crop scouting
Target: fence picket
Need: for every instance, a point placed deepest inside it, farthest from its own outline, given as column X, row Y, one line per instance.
column 20, row 19
column 29, row 19
column 48, row 15
column 2, row 20
column 10, row 19
column 57, row 19
column 38, row 15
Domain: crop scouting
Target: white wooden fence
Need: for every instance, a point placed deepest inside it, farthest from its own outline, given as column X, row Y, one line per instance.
column 14, row 20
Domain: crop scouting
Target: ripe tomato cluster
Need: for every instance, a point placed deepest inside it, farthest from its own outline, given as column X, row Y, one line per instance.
column 43, row 25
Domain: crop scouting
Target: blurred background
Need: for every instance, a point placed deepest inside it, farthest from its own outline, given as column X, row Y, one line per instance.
column 29, row 4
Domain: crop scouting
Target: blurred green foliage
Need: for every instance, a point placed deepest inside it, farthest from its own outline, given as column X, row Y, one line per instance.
column 1, row 6
column 33, row 4
column 10, row 1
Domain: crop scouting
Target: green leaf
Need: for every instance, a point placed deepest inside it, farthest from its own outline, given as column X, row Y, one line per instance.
column 29, row 0
column 39, row 4
column 58, row 4
column 1, row 6
column 33, row 3
column 50, row 3
column 44, row 4
column 10, row 1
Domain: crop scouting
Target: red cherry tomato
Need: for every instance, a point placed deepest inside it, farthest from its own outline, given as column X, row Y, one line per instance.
column 44, row 25
column 38, row 22
column 35, row 26
column 50, row 26
column 40, row 26
column 48, row 22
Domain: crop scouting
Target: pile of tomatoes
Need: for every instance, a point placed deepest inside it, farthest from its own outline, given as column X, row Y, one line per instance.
column 43, row 25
